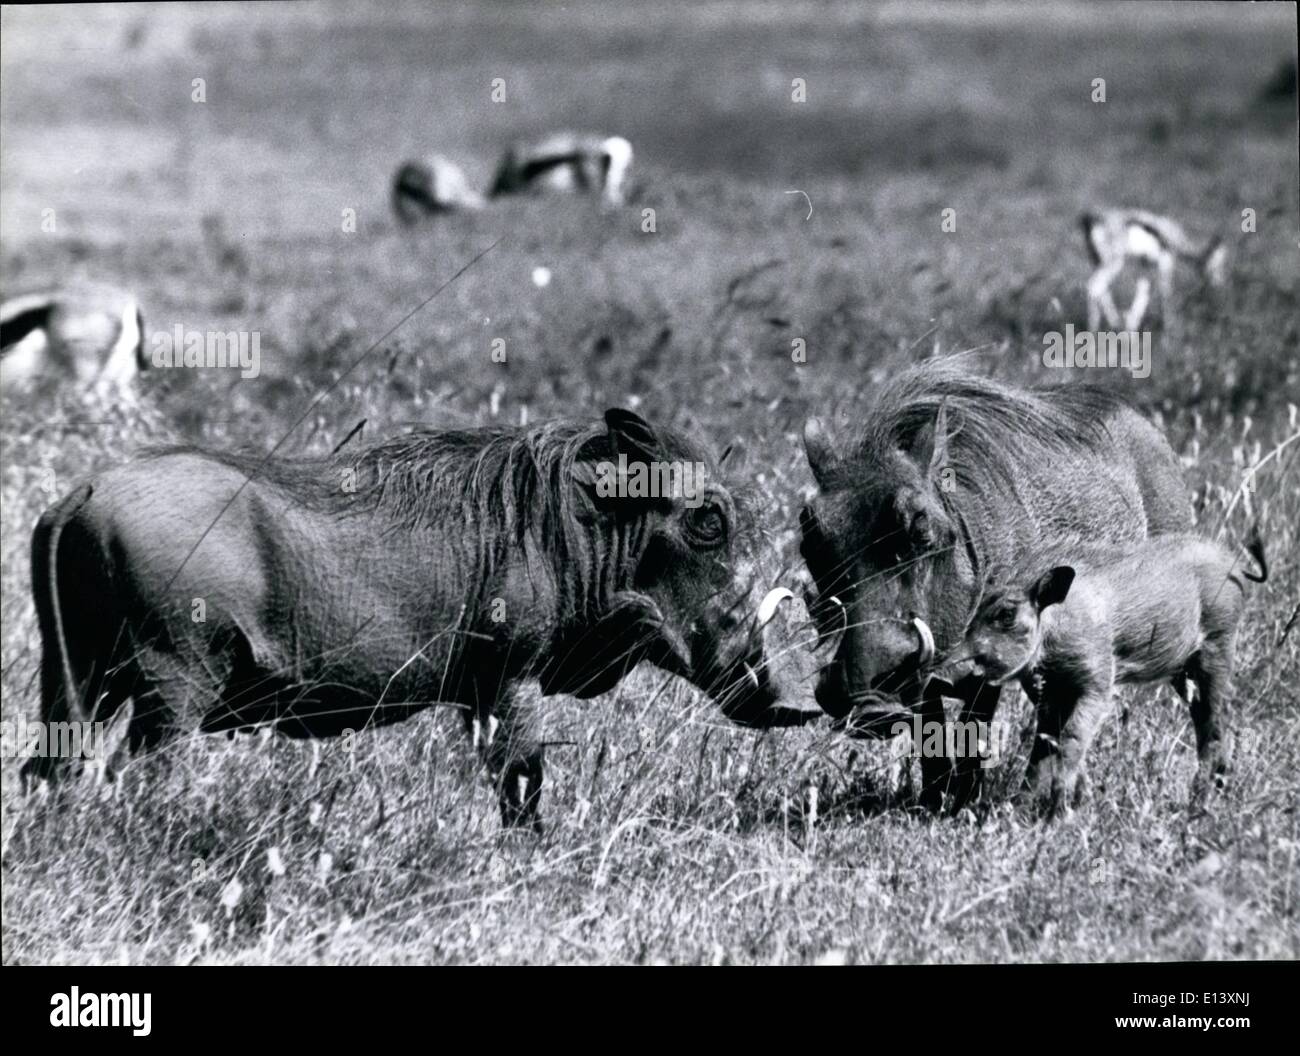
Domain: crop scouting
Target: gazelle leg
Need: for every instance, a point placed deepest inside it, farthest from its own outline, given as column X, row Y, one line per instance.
column 1100, row 297
column 1165, row 273
column 1136, row 310
column 1094, row 301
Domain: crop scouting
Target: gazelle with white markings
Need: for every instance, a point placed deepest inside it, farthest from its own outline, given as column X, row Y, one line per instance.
column 86, row 335
column 567, row 161
column 430, row 187
column 1116, row 237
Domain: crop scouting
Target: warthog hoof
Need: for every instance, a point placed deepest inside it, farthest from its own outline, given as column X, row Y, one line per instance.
column 519, row 795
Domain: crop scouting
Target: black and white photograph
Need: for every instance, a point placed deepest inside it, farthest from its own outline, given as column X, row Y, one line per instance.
column 706, row 483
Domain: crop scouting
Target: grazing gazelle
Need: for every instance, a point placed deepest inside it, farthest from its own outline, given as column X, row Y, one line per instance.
column 1117, row 236
column 567, row 161
column 82, row 334
column 435, row 185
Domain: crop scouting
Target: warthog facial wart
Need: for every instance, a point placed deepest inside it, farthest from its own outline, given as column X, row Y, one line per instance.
column 1102, row 350
column 207, row 349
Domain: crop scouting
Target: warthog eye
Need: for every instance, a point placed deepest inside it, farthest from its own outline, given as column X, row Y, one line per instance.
column 706, row 524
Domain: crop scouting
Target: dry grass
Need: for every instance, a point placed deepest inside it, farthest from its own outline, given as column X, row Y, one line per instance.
column 671, row 835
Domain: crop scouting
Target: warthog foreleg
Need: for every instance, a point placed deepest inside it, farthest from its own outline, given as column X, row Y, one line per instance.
column 507, row 738
column 981, row 704
column 960, row 780
column 936, row 771
column 1067, row 725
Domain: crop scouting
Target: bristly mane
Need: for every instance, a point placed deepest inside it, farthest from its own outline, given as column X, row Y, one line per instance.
column 992, row 427
column 491, row 487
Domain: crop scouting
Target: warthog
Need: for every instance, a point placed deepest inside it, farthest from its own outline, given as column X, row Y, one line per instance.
column 1081, row 620
column 221, row 592
column 953, row 474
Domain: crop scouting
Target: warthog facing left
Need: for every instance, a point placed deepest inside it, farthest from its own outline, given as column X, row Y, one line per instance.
column 1081, row 620
column 222, row 592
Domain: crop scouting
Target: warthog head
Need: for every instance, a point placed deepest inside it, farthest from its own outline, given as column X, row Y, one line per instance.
column 1005, row 636
column 692, row 599
column 872, row 541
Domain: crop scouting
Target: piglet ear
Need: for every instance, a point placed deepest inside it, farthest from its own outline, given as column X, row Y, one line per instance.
column 1052, row 587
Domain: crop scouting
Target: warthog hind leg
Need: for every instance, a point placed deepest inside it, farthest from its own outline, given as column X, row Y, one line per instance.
column 1211, row 671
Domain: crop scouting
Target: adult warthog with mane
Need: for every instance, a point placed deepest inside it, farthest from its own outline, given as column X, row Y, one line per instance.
column 952, row 476
column 222, row 592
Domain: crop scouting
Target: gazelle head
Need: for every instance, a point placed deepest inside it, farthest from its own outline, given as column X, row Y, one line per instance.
column 1215, row 266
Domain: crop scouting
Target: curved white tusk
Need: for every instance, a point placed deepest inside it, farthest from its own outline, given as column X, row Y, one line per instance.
column 753, row 677
column 927, row 639
column 771, row 601
column 828, row 643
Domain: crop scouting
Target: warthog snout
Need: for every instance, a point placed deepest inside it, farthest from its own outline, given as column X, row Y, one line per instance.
column 770, row 684
column 900, row 650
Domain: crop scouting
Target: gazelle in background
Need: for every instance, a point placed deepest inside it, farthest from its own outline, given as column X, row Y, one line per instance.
column 427, row 188
column 88, row 335
column 567, row 161
column 1117, row 236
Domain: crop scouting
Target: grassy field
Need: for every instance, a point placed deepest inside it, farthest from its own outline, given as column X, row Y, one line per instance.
column 671, row 836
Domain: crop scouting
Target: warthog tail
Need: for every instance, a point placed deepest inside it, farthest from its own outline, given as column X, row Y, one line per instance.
column 1255, row 547
column 49, row 609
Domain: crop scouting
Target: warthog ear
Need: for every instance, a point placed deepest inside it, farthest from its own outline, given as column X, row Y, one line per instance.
column 597, row 466
column 1052, row 587
column 930, row 448
column 632, row 435
column 819, row 449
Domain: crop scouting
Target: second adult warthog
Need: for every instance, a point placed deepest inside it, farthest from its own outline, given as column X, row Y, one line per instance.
column 951, row 475
column 221, row 592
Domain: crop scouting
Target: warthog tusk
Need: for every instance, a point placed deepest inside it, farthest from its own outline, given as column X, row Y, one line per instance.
column 927, row 639
column 752, row 675
column 770, row 603
column 829, row 644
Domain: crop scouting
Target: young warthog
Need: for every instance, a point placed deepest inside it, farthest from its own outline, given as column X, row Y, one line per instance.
column 221, row 592
column 1088, row 618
